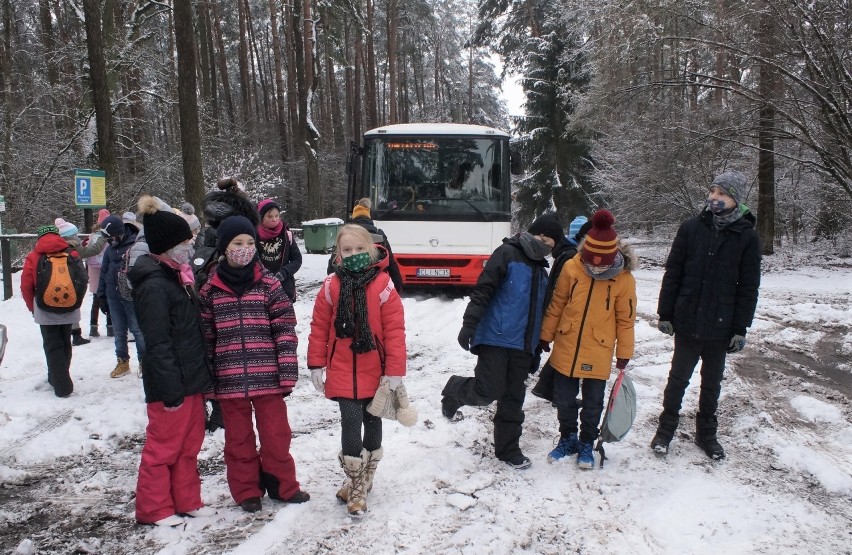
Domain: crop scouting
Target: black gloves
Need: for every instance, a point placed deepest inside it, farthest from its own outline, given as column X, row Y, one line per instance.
column 737, row 343
column 465, row 337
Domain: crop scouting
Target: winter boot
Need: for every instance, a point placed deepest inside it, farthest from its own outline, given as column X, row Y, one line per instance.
column 705, row 436
column 356, row 470
column 110, row 331
column 369, row 473
column 77, row 338
column 586, row 456
column 660, row 444
column 665, row 432
column 121, row 368
column 567, row 446
column 93, row 331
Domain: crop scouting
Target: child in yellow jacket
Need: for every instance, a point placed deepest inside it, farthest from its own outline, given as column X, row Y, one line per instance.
column 591, row 314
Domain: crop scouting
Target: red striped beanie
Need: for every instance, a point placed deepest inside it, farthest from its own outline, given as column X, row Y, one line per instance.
column 601, row 241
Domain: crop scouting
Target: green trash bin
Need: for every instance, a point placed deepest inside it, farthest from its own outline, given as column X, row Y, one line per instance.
column 320, row 234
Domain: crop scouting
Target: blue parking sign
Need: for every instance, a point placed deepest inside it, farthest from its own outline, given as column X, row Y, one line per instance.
column 83, row 190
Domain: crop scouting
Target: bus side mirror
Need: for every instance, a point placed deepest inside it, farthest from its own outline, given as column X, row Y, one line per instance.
column 516, row 163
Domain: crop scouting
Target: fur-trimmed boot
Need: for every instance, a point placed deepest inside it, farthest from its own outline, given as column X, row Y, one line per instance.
column 356, row 470
column 372, row 463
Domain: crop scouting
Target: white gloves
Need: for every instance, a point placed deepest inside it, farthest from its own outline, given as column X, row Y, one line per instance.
column 316, row 379
column 392, row 381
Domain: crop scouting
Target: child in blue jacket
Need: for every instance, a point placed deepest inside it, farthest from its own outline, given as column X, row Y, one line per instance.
column 501, row 326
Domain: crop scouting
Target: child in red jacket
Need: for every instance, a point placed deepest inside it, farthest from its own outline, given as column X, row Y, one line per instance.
column 55, row 327
column 249, row 326
column 358, row 338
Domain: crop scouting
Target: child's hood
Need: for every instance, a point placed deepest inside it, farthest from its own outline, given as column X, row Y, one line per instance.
column 50, row 242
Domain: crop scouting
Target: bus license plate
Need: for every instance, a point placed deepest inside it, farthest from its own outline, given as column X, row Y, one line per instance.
column 433, row 272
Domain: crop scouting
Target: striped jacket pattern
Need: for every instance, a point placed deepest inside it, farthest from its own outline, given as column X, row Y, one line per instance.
column 251, row 340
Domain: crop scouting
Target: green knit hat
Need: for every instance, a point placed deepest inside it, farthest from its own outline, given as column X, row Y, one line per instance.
column 44, row 229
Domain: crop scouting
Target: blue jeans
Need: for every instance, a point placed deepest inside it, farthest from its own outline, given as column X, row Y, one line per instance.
column 565, row 391
column 123, row 319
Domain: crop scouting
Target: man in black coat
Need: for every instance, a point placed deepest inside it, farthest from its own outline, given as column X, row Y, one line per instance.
column 707, row 301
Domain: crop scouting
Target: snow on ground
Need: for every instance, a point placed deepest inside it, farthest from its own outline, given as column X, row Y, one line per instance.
column 68, row 466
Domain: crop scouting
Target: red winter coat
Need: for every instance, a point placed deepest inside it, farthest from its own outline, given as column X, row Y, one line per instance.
column 349, row 375
column 49, row 242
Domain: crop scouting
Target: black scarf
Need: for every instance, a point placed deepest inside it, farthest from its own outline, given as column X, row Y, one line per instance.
column 238, row 279
column 352, row 308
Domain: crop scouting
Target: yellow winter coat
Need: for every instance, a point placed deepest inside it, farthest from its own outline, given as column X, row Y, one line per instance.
column 587, row 319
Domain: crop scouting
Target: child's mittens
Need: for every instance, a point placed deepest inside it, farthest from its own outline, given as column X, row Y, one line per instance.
column 392, row 381
column 317, row 379
column 405, row 413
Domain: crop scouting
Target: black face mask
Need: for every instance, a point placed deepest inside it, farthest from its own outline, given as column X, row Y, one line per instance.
column 115, row 240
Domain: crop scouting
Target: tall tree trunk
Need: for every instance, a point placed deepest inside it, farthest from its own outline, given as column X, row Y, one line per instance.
column 348, row 78
column 307, row 86
column 371, row 78
column 357, row 105
column 766, row 136
column 223, row 64
column 6, row 83
column 333, row 96
column 293, row 33
column 203, row 58
column 100, row 94
column 48, row 41
column 242, row 51
column 279, row 82
column 190, row 136
column 393, row 57
column 213, row 98
column 256, row 71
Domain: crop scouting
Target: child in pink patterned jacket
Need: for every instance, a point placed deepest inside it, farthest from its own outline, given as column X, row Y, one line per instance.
column 249, row 327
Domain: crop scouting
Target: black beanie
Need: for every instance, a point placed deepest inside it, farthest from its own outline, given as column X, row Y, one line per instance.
column 230, row 227
column 163, row 229
column 547, row 224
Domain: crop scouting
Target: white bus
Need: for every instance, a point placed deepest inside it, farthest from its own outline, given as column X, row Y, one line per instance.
column 441, row 192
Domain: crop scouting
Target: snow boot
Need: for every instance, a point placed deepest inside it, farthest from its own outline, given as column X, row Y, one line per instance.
column 705, row 436
column 665, row 432
column 93, row 331
column 586, row 456
column 356, row 470
column 369, row 474
column 122, row 367
column 110, row 331
column 77, row 338
column 660, row 444
column 251, row 505
column 567, row 446
column 518, row 462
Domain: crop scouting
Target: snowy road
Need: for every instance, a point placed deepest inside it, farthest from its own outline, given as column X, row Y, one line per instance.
column 68, row 467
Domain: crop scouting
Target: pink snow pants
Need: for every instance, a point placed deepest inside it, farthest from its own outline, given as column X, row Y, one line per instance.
column 243, row 463
column 169, row 482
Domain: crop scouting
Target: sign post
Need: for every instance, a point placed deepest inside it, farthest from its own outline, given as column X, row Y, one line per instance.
column 89, row 193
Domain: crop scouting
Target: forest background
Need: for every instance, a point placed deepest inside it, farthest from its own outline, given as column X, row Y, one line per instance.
column 634, row 106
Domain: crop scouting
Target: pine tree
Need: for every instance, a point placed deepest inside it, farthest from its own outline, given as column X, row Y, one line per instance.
column 544, row 46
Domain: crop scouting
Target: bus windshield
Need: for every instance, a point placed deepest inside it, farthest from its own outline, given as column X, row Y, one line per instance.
column 438, row 178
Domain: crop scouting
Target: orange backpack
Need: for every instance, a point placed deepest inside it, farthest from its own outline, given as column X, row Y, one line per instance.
column 61, row 282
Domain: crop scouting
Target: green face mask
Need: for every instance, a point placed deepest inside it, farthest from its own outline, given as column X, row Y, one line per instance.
column 356, row 262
